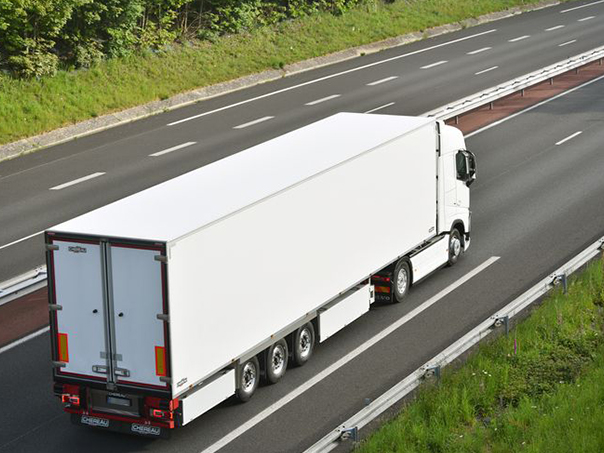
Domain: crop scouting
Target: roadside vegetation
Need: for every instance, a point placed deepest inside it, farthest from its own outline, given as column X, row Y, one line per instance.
column 71, row 60
column 541, row 389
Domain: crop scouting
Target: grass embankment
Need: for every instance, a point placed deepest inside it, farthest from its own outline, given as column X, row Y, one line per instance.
column 548, row 396
column 29, row 107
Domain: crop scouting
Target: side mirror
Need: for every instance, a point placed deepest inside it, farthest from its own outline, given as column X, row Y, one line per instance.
column 466, row 166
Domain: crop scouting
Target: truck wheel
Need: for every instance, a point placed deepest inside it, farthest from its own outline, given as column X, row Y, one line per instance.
column 276, row 362
column 248, row 381
column 303, row 344
column 455, row 247
column 401, row 280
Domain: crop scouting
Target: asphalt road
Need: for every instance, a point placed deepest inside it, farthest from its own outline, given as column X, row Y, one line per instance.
column 536, row 204
column 410, row 79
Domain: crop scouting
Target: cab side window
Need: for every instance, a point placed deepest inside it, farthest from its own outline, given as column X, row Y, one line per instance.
column 460, row 165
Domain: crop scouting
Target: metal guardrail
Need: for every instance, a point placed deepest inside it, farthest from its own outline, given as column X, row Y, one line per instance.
column 492, row 94
column 349, row 429
column 23, row 284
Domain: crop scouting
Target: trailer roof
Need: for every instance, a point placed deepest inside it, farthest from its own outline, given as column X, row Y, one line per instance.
column 184, row 204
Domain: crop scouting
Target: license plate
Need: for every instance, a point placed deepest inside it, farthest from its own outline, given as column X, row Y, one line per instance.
column 119, row 401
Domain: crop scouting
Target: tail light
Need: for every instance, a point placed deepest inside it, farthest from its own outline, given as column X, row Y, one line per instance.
column 380, row 278
column 73, row 400
column 158, row 413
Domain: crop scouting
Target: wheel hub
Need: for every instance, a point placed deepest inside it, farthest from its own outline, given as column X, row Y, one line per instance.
column 401, row 281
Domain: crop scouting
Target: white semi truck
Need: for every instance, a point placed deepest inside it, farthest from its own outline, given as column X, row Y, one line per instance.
column 168, row 302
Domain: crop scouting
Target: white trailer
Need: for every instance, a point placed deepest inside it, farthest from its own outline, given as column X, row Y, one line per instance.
column 169, row 301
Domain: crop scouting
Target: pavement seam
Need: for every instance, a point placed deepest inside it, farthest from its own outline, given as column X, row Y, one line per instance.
column 104, row 122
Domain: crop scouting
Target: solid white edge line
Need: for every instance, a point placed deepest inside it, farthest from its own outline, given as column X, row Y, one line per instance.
column 174, row 148
column 433, row 65
column 519, row 38
column 585, row 18
column 582, row 6
column 570, row 137
column 344, row 360
column 77, row 181
column 474, row 52
column 31, row 336
column 567, row 43
column 377, row 82
column 486, row 70
column 554, row 28
column 252, row 123
column 528, row 109
column 325, row 99
column 380, row 107
column 348, row 71
column 20, row 240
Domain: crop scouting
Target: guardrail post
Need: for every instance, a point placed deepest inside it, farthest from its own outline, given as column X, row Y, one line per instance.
column 349, row 434
column 561, row 278
column 456, row 119
column 490, row 106
column 522, row 93
column 504, row 320
column 432, row 372
column 551, row 80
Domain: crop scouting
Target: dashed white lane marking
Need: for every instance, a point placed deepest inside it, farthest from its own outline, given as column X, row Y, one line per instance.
column 486, row 70
column 251, row 123
column 330, row 76
column 519, row 38
column 174, row 148
column 379, row 108
column 77, row 181
column 344, row 360
column 586, row 18
column 484, row 49
column 377, row 82
column 325, row 99
column 21, row 240
column 570, row 137
column 433, row 65
column 582, row 6
column 567, row 43
column 557, row 27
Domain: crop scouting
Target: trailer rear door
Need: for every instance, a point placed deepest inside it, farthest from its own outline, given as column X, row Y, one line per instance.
column 106, row 300
column 137, row 289
column 79, row 322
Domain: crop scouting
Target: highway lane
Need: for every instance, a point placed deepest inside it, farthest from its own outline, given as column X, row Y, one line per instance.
column 536, row 203
column 410, row 82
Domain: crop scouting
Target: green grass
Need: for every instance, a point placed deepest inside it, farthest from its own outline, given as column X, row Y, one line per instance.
column 546, row 397
column 29, row 107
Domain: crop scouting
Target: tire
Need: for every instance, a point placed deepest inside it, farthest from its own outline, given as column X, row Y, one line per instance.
column 401, row 280
column 303, row 344
column 455, row 247
column 249, row 378
column 276, row 362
